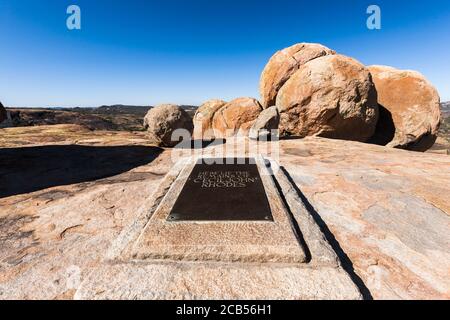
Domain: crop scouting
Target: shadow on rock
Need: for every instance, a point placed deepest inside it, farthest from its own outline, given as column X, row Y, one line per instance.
column 346, row 263
column 385, row 130
column 29, row 169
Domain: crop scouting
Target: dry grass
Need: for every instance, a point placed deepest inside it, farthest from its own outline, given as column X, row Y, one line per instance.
column 67, row 134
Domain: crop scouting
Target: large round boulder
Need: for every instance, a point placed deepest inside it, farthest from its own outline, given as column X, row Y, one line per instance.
column 283, row 65
column 409, row 109
column 163, row 120
column 333, row 97
column 3, row 114
column 236, row 117
column 203, row 118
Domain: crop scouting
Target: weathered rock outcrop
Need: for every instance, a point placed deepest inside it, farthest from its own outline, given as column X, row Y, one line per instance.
column 409, row 109
column 163, row 120
column 203, row 119
column 236, row 117
column 386, row 208
column 3, row 114
column 283, row 65
column 389, row 221
column 265, row 125
column 332, row 96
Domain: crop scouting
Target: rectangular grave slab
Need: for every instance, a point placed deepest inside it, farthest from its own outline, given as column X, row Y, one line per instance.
column 154, row 258
column 236, row 233
column 223, row 190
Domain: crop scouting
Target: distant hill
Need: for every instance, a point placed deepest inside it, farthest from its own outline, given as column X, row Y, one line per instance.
column 39, row 117
column 115, row 117
column 445, row 107
column 113, row 109
column 124, row 109
column 189, row 109
column 119, row 108
column 443, row 141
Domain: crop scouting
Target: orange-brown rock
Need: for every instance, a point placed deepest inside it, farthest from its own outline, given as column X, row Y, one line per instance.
column 283, row 65
column 236, row 117
column 409, row 109
column 331, row 96
column 203, row 118
column 266, row 126
column 162, row 121
column 3, row 114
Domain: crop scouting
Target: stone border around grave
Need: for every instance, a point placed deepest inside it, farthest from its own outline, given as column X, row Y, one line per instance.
column 321, row 252
column 144, row 214
column 221, row 241
column 119, row 277
column 194, row 281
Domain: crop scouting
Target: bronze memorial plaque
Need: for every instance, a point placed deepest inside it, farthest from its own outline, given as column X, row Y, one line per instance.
column 223, row 190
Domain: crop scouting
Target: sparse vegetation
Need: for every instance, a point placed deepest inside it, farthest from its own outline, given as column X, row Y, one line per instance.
column 444, row 131
column 67, row 134
column 443, row 141
column 115, row 118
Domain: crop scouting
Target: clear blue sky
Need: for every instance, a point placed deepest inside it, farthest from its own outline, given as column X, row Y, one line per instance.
column 150, row 52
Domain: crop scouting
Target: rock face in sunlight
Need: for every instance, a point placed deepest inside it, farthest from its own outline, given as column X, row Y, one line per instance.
column 267, row 121
column 163, row 120
column 390, row 220
column 203, row 119
column 387, row 208
column 331, row 96
column 283, row 65
column 410, row 108
column 3, row 114
column 321, row 93
column 236, row 116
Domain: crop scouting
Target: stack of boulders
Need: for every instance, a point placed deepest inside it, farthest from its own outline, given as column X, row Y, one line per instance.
column 218, row 119
column 310, row 90
column 3, row 114
column 319, row 92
